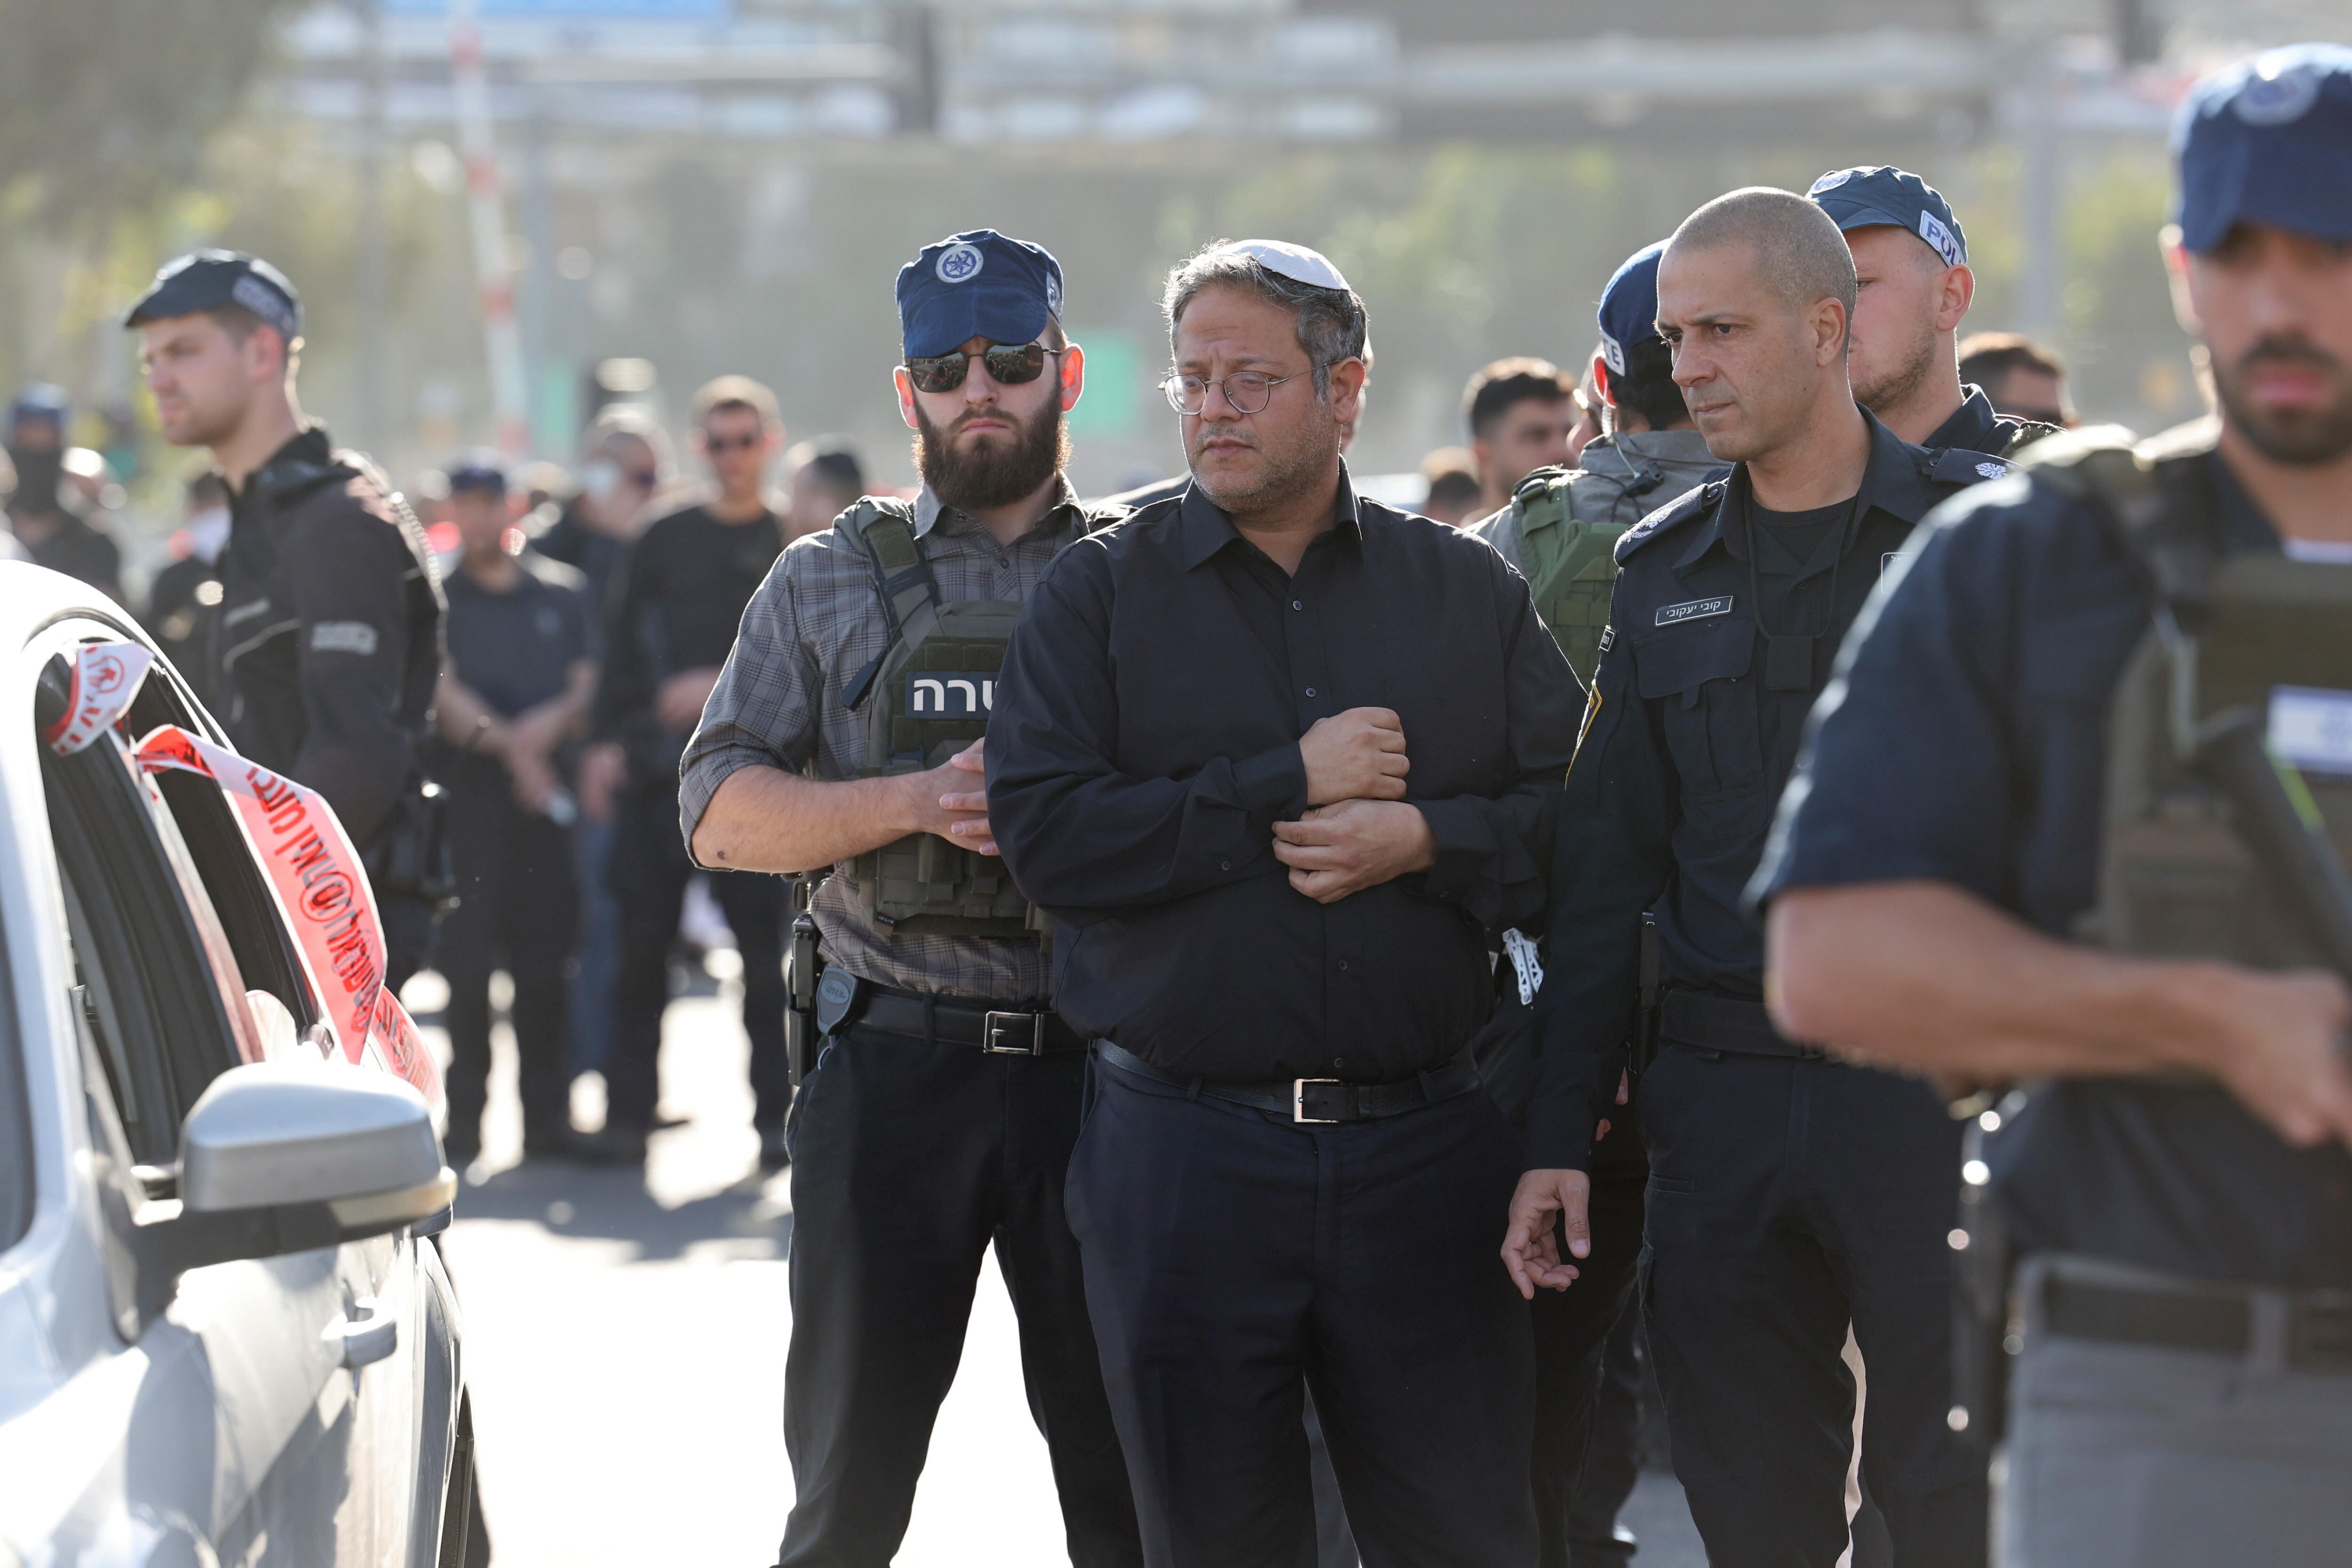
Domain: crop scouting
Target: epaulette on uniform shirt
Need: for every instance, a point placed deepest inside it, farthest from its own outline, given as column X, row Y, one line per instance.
column 1667, row 517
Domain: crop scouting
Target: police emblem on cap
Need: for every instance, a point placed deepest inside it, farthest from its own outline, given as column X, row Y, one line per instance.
column 1830, row 181
column 1945, row 243
column 1992, row 471
column 960, row 263
column 2275, row 99
column 1053, row 295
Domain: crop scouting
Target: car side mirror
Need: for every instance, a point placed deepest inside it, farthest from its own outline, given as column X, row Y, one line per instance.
column 278, row 1157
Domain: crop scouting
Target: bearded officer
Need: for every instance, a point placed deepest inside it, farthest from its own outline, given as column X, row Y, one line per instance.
column 940, row 1112
column 1941, row 892
column 1914, row 287
column 1789, row 1196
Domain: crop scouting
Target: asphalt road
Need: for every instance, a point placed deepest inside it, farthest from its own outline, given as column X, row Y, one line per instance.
column 624, row 1344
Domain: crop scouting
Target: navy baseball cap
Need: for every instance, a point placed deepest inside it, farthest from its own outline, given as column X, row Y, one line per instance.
column 976, row 284
column 207, row 280
column 1879, row 194
column 2268, row 140
column 1629, row 306
column 479, row 471
column 41, row 400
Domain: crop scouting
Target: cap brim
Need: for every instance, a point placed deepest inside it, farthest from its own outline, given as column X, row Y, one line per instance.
column 1001, row 315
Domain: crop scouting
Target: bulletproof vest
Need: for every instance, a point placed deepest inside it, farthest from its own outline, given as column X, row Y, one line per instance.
column 1569, row 521
column 2256, row 645
column 927, row 694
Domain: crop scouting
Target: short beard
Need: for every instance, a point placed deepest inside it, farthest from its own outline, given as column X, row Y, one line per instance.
column 1903, row 382
column 1287, row 476
column 993, row 475
column 2299, row 439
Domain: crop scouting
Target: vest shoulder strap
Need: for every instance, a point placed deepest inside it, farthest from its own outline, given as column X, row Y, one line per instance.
column 2156, row 498
column 882, row 529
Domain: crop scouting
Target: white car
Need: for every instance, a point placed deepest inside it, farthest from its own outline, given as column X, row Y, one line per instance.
column 226, row 1335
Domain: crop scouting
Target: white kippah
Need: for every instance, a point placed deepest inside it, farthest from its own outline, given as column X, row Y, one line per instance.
column 1292, row 261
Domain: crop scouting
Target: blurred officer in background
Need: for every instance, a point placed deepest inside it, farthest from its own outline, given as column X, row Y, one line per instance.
column 1454, row 491
column 1560, row 531
column 2020, row 377
column 513, row 697
column 826, row 480
column 46, row 514
column 1519, row 413
column 1198, row 762
column 328, row 642
column 940, row 1112
column 676, row 600
column 184, row 599
column 1788, row 1195
column 1998, row 790
column 1912, row 263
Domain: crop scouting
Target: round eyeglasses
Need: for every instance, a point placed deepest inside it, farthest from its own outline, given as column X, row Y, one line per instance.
column 1248, row 391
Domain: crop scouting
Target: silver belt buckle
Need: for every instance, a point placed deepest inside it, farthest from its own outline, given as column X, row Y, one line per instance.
column 1298, row 1104
column 997, row 1027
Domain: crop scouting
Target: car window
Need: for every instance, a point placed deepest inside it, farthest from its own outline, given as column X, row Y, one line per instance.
column 15, row 1124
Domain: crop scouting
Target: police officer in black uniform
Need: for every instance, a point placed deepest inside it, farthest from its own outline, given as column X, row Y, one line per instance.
column 328, row 641
column 1789, row 1195
column 1911, row 263
column 2053, row 734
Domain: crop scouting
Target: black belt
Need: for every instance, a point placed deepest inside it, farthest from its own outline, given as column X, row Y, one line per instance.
column 1701, row 1020
column 1314, row 1101
column 956, row 1021
column 2216, row 1319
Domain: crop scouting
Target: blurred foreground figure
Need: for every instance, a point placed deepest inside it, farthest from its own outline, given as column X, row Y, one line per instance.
column 1277, row 930
column 1914, row 282
column 939, row 1094
column 677, row 595
column 513, row 699
column 2020, row 377
column 2042, row 833
column 327, row 645
column 1789, row 1195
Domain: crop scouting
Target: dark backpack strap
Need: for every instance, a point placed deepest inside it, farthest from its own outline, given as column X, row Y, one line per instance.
column 2157, row 499
column 883, row 534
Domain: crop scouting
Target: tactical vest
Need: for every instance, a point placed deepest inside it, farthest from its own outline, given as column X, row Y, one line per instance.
column 928, row 694
column 2228, row 808
column 1569, row 521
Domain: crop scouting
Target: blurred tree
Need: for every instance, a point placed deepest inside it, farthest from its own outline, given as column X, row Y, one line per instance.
column 106, row 104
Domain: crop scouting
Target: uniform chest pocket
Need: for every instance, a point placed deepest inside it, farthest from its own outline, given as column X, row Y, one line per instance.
column 1697, row 673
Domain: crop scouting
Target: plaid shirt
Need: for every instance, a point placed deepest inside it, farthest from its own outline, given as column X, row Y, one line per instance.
column 813, row 626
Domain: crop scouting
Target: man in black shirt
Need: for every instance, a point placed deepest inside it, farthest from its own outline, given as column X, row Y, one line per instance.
column 677, row 601
column 1281, row 760
column 184, row 599
column 516, row 689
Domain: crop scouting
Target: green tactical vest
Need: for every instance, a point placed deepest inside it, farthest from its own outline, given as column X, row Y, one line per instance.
column 2259, row 642
column 927, row 694
column 1569, row 522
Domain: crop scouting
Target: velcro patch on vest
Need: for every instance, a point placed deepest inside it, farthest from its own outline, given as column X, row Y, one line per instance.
column 2312, row 728
column 1692, row 610
column 949, row 694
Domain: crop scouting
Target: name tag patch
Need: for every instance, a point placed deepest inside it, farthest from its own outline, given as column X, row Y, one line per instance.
column 1692, row 610
column 2312, row 728
column 951, row 694
column 343, row 636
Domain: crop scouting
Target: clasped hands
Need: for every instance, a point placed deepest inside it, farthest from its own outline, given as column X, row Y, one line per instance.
column 1358, row 831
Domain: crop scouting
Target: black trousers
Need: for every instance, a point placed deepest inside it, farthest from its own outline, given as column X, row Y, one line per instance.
column 1587, row 1455
column 1233, row 1261
column 518, row 907
column 909, row 1159
column 648, row 875
column 1786, row 1199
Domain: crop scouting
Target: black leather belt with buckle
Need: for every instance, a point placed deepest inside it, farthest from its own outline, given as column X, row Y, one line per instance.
column 2217, row 1319
column 1315, row 1101
column 958, row 1021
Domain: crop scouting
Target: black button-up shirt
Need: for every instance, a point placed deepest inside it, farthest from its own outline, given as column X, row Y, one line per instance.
column 1968, row 744
column 1145, row 740
column 1689, row 742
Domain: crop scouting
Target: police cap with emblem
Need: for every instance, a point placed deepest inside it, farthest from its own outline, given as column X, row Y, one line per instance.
column 479, row 472
column 207, row 280
column 2268, row 140
column 1879, row 194
column 1629, row 307
column 977, row 284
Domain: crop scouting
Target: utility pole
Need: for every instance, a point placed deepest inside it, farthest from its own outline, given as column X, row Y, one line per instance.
column 493, row 271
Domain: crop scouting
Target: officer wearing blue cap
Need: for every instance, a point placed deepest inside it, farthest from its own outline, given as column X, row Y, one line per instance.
column 2044, row 834
column 938, row 1092
column 329, row 639
column 1911, row 258
column 48, row 517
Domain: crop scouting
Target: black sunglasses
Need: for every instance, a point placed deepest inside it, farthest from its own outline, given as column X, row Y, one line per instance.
column 1009, row 365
